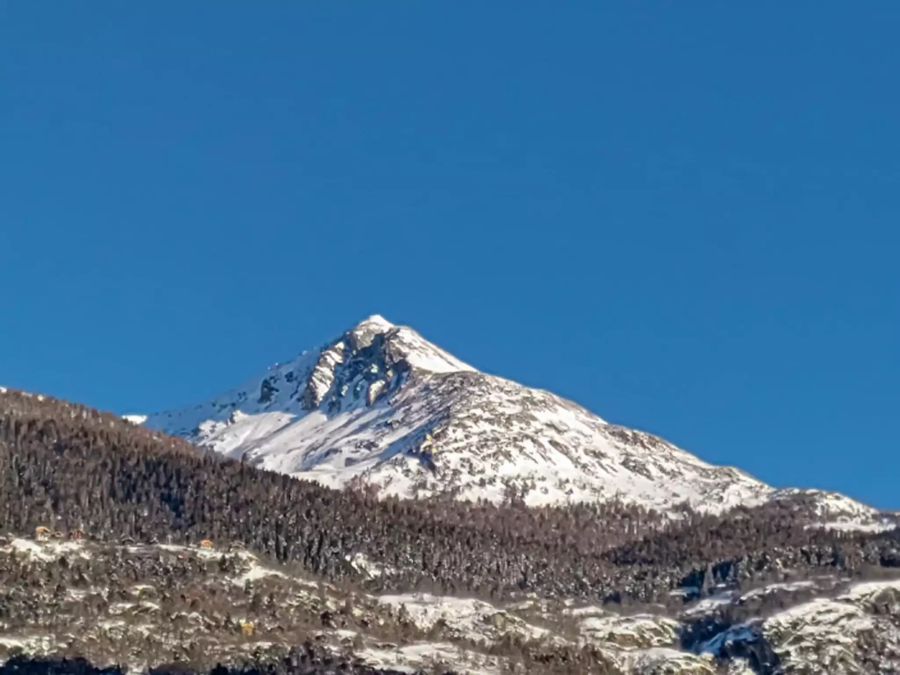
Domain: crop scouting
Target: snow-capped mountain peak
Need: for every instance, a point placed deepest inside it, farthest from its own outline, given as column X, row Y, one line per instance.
column 384, row 406
column 370, row 358
column 381, row 405
column 402, row 344
column 376, row 322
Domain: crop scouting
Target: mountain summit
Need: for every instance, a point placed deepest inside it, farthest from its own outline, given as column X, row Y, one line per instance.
column 382, row 406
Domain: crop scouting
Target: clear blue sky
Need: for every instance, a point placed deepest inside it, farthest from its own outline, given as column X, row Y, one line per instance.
column 682, row 215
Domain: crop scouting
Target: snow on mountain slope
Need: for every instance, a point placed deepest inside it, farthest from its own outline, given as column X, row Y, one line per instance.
column 383, row 406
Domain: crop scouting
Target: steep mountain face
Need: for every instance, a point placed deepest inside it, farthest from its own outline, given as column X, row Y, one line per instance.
column 382, row 406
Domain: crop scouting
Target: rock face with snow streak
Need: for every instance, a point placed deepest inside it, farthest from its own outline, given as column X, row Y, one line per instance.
column 381, row 405
column 855, row 631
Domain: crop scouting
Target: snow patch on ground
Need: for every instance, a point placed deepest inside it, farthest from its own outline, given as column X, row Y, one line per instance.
column 430, row 656
column 361, row 563
column 787, row 586
column 638, row 631
column 465, row 618
column 255, row 573
column 45, row 550
column 710, row 604
column 667, row 660
column 27, row 643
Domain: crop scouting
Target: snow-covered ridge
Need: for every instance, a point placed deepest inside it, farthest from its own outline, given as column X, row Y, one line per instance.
column 383, row 406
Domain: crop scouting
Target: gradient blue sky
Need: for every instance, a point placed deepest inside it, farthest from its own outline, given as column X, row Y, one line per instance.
column 682, row 215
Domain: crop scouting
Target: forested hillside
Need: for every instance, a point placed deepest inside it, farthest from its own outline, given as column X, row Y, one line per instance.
column 93, row 477
column 69, row 468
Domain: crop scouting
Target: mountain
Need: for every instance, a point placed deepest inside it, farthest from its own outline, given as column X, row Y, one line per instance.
column 382, row 406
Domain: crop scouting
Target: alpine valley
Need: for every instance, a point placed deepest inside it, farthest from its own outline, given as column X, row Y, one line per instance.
column 378, row 506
